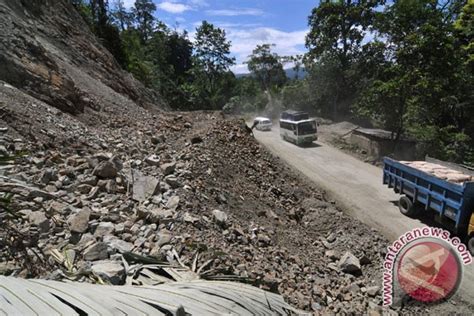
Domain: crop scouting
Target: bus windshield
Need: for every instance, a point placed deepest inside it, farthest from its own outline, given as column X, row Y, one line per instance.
column 307, row 128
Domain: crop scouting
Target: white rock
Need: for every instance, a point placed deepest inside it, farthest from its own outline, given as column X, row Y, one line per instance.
column 220, row 217
column 349, row 264
column 153, row 160
column 110, row 271
column 79, row 222
column 173, row 203
column 144, row 187
column 104, row 229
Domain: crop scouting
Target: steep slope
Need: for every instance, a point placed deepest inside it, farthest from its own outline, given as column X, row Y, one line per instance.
column 48, row 51
column 99, row 173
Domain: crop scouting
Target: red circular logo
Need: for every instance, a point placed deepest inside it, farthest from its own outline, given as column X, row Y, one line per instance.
column 429, row 271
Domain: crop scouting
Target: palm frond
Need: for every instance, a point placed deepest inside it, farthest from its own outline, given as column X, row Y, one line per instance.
column 45, row 297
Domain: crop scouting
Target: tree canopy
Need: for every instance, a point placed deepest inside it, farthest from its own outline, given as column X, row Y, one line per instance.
column 266, row 67
column 406, row 66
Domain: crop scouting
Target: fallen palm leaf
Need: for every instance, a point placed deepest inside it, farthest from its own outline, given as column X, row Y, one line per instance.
column 43, row 297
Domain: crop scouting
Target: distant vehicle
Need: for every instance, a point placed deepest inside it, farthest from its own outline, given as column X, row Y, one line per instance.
column 262, row 124
column 291, row 115
column 298, row 128
column 451, row 202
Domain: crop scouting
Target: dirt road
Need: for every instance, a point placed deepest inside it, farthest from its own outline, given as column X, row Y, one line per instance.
column 356, row 186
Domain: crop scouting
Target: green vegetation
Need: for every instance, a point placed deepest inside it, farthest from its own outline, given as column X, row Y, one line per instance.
column 266, row 67
column 405, row 66
column 189, row 76
column 413, row 75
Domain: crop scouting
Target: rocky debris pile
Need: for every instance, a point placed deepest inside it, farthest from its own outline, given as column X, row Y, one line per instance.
column 193, row 190
column 267, row 225
column 77, row 197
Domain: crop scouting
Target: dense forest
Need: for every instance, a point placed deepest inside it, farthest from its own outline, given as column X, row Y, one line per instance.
column 405, row 66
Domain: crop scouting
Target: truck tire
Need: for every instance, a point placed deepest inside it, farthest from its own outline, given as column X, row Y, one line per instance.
column 470, row 243
column 406, row 206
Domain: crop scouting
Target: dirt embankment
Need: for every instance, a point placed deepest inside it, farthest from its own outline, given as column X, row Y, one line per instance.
column 48, row 51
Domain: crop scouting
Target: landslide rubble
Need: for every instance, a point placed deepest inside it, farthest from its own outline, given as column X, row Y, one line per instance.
column 185, row 188
column 95, row 176
column 191, row 189
column 160, row 185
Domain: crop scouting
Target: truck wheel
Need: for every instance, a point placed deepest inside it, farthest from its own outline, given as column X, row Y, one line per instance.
column 407, row 207
column 470, row 244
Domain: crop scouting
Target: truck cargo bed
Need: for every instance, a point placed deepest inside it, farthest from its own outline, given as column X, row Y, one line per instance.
column 450, row 200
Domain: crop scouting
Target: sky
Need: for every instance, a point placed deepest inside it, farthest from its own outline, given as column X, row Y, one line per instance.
column 247, row 23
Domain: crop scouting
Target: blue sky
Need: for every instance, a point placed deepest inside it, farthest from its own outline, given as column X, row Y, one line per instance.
column 247, row 23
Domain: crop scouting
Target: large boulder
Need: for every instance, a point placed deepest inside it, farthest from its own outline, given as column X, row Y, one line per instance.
column 350, row 264
column 104, row 229
column 79, row 222
column 117, row 244
column 110, row 271
column 220, row 217
column 144, row 187
column 96, row 251
column 173, row 203
column 108, row 169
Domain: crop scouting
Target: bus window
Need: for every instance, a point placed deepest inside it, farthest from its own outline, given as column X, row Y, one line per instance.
column 307, row 128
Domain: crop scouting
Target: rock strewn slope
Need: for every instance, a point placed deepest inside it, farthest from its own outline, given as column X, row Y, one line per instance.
column 176, row 185
column 48, row 51
column 182, row 184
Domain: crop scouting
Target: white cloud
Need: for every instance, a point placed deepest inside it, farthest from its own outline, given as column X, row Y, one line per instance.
column 229, row 25
column 239, row 69
column 236, row 12
column 199, row 3
column 173, row 7
column 128, row 3
column 286, row 43
column 245, row 37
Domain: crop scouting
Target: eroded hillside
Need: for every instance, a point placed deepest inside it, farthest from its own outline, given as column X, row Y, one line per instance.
column 48, row 51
